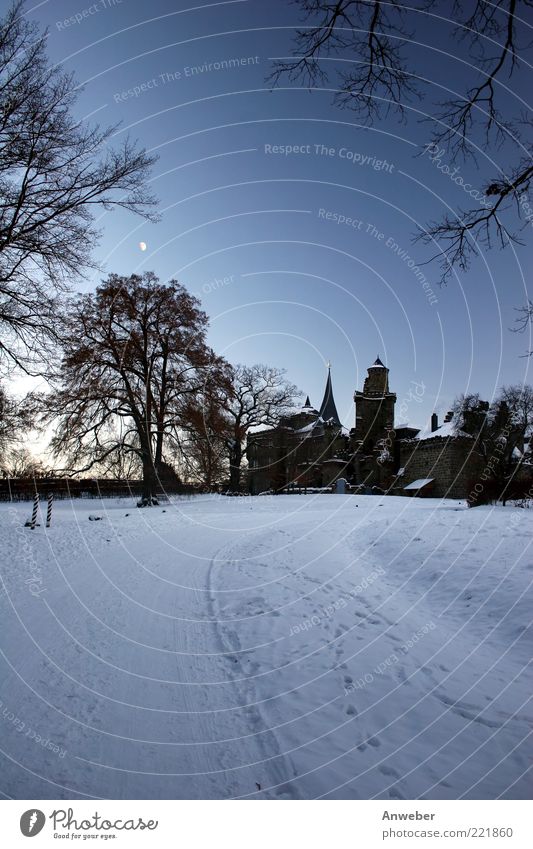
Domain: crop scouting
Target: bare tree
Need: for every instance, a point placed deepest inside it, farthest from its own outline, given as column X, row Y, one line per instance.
column 20, row 463
column 133, row 351
column 259, row 395
column 501, row 431
column 55, row 173
column 374, row 34
column 14, row 423
column 205, row 429
column 524, row 320
column 378, row 75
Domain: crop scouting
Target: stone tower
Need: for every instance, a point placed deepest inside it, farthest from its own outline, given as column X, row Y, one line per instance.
column 374, row 409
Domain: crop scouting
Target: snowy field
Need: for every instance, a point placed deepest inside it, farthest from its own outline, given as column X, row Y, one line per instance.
column 290, row 647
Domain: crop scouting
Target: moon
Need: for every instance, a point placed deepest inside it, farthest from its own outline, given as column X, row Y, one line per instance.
column 142, row 246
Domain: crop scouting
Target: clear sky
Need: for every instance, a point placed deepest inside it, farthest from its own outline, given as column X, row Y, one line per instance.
column 255, row 232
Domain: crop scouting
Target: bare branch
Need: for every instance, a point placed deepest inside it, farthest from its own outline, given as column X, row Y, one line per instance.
column 54, row 174
column 374, row 35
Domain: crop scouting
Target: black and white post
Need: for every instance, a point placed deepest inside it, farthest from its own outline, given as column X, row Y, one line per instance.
column 49, row 509
column 34, row 511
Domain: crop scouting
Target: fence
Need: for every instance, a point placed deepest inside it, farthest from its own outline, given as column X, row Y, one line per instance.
column 23, row 489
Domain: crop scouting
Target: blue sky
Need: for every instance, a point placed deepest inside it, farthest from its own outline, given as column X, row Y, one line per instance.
column 258, row 232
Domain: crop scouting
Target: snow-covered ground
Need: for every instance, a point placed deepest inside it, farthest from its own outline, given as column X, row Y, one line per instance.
column 274, row 647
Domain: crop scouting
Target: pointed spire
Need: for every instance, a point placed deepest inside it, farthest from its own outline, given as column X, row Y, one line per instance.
column 328, row 410
column 378, row 363
column 307, row 402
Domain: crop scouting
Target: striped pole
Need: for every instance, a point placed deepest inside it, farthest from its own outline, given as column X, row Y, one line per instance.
column 49, row 509
column 34, row 511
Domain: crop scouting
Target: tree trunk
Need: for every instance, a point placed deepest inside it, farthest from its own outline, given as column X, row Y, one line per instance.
column 209, row 469
column 235, row 459
column 149, row 484
column 158, row 457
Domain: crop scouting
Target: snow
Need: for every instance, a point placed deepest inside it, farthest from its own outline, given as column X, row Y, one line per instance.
column 445, row 430
column 259, row 428
column 279, row 647
column 298, row 411
column 309, row 428
column 418, row 484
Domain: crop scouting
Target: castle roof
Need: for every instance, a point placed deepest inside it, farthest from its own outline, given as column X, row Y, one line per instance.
column 377, row 364
column 448, row 429
column 328, row 410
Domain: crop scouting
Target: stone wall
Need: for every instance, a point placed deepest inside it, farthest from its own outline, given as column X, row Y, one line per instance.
column 279, row 457
column 453, row 463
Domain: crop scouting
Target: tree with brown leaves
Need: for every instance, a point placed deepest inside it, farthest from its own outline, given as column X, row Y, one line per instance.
column 133, row 352
column 204, row 431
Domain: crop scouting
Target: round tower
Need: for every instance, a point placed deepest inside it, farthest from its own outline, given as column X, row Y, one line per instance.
column 374, row 408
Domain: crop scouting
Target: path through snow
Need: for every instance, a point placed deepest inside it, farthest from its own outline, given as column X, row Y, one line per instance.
column 274, row 647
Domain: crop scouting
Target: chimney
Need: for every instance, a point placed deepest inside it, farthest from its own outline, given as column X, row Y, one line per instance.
column 434, row 422
column 448, row 417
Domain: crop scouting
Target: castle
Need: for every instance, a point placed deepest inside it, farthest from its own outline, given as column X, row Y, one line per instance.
column 310, row 449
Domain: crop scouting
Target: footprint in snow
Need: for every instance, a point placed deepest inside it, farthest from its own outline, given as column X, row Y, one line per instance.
column 402, row 675
column 389, row 770
column 395, row 794
column 285, row 791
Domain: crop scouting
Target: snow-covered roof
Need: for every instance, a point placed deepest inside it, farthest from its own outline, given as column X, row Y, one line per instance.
column 445, row 430
column 320, row 421
column 259, row 428
column 419, row 484
column 300, row 411
column 308, row 428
